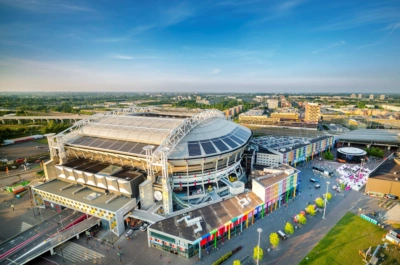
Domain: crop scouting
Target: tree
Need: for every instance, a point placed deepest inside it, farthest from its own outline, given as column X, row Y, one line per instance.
column 302, row 219
column 328, row 155
column 236, row 262
column 289, row 229
column 258, row 253
column 274, row 239
column 342, row 186
column 328, row 196
column 320, row 202
column 310, row 209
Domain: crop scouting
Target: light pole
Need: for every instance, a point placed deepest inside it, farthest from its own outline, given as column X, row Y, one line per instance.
column 326, row 197
column 61, row 222
column 73, row 226
column 259, row 230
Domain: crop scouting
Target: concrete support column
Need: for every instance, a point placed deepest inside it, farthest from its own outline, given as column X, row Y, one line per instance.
column 52, row 251
column 19, row 122
column 77, row 236
column 3, row 121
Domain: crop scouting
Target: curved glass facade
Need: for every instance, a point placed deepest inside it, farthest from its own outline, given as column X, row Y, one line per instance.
column 350, row 158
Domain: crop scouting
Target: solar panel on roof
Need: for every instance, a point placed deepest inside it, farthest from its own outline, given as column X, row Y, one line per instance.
column 194, row 149
column 230, row 142
column 220, row 145
column 117, row 145
column 79, row 140
column 208, row 147
column 241, row 137
column 239, row 141
column 127, row 147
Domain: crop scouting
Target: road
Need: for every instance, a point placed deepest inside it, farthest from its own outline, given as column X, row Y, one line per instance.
column 36, row 236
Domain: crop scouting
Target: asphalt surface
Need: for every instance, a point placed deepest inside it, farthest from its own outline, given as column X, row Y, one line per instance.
column 35, row 239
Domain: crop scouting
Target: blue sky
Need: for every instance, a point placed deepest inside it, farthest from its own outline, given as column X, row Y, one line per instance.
column 200, row 46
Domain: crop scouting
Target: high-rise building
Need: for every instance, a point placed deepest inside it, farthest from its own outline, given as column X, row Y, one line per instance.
column 312, row 112
column 382, row 97
column 359, row 96
column 272, row 103
column 353, row 96
column 371, row 97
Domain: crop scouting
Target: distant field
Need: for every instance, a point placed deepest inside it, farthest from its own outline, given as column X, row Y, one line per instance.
column 42, row 141
column 342, row 243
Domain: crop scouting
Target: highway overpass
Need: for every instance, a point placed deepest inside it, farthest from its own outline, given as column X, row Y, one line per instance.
column 60, row 118
column 44, row 237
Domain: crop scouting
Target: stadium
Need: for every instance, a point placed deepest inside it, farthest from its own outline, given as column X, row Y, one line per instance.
column 351, row 155
column 141, row 158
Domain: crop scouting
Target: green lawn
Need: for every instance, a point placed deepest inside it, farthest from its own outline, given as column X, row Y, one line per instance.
column 346, row 238
column 42, row 141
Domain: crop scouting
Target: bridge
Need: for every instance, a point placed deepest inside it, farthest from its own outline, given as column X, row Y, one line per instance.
column 45, row 237
column 60, row 118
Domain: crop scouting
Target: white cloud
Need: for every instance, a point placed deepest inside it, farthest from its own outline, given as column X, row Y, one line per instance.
column 392, row 27
column 121, row 57
column 333, row 45
column 47, row 6
column 215, row 71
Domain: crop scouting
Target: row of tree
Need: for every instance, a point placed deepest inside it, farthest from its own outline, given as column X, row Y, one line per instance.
column 374, row 151
column 289, row 229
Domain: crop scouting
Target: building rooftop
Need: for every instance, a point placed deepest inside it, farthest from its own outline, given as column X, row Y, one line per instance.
column 387, row 170
column 273, row 175
column 371, row 136
column 55, row 186
column 285, row 144
column 212, row 217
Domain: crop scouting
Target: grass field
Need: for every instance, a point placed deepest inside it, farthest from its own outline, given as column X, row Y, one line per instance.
column 42, row 141
column 347, row 237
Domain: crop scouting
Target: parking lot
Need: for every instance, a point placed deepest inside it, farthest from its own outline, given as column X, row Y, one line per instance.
column 22, row 150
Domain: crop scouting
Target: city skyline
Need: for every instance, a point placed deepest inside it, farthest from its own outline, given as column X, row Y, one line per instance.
column 226, row 46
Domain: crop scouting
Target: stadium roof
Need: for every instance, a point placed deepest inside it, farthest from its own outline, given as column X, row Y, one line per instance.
column 212, row 137
column 371, row 136
column 205, row 134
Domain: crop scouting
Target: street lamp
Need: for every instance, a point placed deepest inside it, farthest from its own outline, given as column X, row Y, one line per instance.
column 259, row 230
column 326, row 197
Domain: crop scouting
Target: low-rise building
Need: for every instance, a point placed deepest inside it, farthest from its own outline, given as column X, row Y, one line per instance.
column 267, row 158
column 293, row 150
column 275, row 186
column 283, row 115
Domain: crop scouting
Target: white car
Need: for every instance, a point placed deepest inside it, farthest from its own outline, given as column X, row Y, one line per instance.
column 143, row 228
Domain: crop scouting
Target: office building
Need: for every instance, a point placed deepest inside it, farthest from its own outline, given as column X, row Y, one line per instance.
column 382, row 97
column 359, row 96
column 312, row 112
column 371, row 97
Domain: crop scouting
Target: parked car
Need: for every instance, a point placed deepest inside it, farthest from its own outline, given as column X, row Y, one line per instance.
column 391, row 196
column 314, row 180
column 143, row 228
column 317, row 186
column 129, row 232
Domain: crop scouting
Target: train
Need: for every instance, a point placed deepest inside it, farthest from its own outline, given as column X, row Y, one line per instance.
column 22, row 139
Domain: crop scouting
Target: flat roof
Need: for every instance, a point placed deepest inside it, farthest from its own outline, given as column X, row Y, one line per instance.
column 351, row 151
column 101, row 168
column 213, row 216
column 268, row 181
column 371, row 136
column 55, row 185
column 386, row 171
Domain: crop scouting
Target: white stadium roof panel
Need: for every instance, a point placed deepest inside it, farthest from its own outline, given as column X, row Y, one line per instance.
column 212, row 137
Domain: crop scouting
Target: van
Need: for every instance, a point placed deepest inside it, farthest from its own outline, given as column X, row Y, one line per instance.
column 282, row 235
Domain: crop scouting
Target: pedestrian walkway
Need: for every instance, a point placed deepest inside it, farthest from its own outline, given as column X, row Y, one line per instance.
column 77, row 253
column 24, row 227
